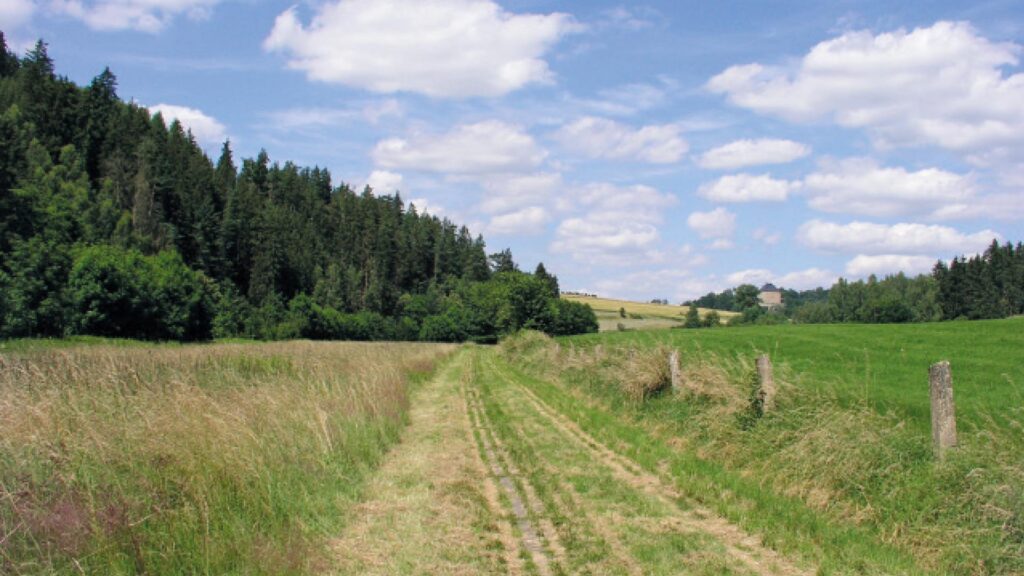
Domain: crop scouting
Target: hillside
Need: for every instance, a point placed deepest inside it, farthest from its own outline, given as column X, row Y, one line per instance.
column 639, row 315
column 113, row 223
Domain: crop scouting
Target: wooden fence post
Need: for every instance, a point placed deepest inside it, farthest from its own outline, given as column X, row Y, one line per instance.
column 940, row 378
column 767, row 390
column 677, row 376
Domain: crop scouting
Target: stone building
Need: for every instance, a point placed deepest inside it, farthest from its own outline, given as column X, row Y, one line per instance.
column 770, row 297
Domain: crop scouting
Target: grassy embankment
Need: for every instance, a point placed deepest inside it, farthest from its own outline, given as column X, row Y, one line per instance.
column 639, row 315
column 849, row 443
column 169, row 459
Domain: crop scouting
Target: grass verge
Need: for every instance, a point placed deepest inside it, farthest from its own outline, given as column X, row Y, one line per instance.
column 191, row 459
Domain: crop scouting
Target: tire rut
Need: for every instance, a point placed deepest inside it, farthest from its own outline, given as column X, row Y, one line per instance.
column 741, row 546
column 538, row 537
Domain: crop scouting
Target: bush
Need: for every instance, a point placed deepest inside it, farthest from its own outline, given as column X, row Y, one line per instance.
column 121, row 293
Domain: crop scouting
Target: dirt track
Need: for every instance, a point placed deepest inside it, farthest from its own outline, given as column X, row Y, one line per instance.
column 490, row 479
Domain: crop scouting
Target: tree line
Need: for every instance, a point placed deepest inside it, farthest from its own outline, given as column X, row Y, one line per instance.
column 984, row 286
column 113, row 222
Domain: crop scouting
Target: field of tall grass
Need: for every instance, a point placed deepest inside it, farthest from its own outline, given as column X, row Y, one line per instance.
column 849, row 439
column 207, row 459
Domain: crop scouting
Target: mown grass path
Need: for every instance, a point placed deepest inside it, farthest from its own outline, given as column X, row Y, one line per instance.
column 490, row 478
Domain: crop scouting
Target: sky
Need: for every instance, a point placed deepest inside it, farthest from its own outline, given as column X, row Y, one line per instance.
column 640, row 150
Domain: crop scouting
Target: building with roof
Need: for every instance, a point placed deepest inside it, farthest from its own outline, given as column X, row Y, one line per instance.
column 770, row 297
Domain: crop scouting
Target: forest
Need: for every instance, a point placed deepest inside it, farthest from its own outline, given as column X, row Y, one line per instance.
column 114, row 223
column 984, row 286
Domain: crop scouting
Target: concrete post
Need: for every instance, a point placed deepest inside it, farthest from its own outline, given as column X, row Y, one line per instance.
column 767, row 391
column 677, row 375
column 943, row 411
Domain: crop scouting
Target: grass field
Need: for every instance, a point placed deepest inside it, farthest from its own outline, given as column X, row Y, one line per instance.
column 850, row 438
column 167, row 459
column 639, row 315
column 885, row 366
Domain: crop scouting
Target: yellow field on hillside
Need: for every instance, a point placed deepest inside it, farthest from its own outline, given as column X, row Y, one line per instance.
column 639, row 315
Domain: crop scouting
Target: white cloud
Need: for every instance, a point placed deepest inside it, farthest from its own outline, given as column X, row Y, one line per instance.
column 677, row 282
column 601, row 240
column 485, row 147
column 384, row 182
column 603, row 138
column 718, row 223
column 514, row 191
column 613, row 202
column 807, row 279
column 629, row 99
column 530, row 220
column 424, row 206
column 632, row 19
column 747, row 188
column 619, row 225
column 798, row 280
column 441, row 48
column 756, row 276
column 885, row 264
column 766, row 236
column 943, row 85
column 14, row 14
column 1000, row 206
column 143, row 15
column 860, row 186
column 877, row 239
column 743, row 153
column 206, row 129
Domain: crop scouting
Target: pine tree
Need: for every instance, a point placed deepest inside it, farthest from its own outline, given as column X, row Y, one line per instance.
column 541, row 274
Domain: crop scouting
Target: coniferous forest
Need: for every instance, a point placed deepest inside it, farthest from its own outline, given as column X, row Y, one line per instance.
column 114, row 223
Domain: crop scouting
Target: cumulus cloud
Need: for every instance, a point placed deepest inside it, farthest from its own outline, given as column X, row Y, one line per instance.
column 943, row 85
column 424, row 206
column 441, row 48
column 529, row 220
column 15, row 13
column 603, row 138
column 743, row 153
column 798, row 280
column 504, row 192
column 860, row 186
column 885, row 264
column 619, row 224
column 879, row 239
column 718, row 223
column 747, row 188
column 485, row 147
column 677, row 282
column 384, row 182
column 599, row 239
column 143, row 15
column 206, row 129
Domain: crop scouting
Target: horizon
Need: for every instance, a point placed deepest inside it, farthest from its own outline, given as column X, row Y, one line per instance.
column 639, row 152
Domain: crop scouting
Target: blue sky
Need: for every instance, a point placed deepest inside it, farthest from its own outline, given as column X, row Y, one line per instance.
column 640, row 150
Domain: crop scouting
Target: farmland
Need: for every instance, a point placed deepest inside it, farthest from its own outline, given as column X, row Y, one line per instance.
column 639, row 315
column 536, row 456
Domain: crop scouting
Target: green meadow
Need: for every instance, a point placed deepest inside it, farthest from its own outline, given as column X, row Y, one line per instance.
column 885, row 366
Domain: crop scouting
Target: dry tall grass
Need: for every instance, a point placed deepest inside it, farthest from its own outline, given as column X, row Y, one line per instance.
column 196, row 459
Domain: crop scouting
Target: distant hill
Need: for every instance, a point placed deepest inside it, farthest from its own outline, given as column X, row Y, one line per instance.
column 639, row 315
